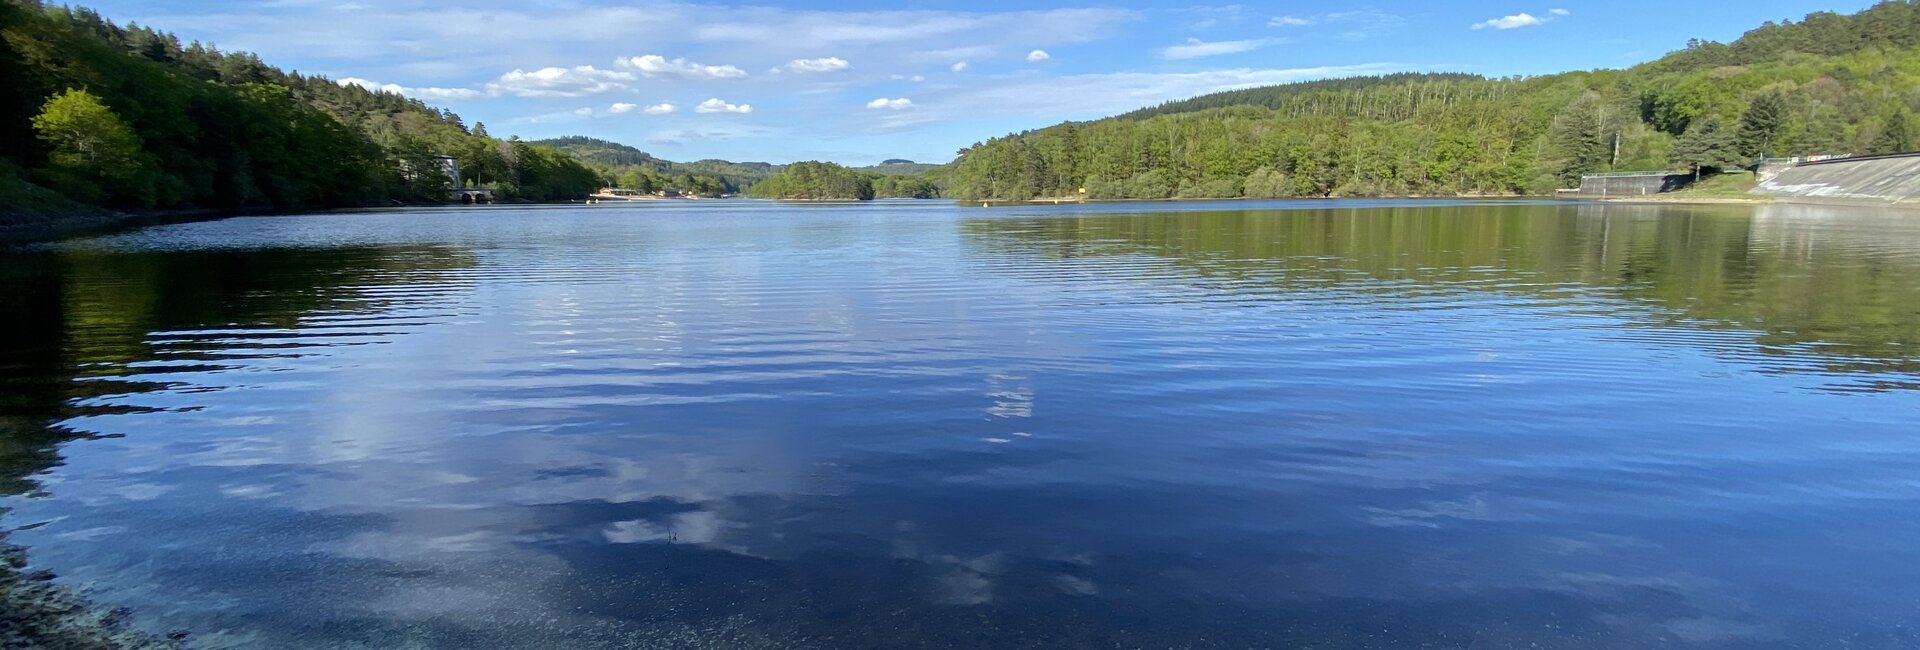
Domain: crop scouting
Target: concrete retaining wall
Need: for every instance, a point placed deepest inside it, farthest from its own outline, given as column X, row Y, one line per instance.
column 1636, row 185
column 1873, row 180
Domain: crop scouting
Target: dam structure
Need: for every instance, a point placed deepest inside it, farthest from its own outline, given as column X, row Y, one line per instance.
column 1892, row 179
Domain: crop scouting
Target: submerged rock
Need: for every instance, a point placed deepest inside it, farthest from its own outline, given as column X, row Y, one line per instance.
column 37, row 613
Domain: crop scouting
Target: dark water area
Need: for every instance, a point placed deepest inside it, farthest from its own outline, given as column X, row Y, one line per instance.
column 1384, row 424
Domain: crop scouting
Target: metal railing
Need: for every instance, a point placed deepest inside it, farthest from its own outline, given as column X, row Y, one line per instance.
column 1624, row 174
column 1797, row 160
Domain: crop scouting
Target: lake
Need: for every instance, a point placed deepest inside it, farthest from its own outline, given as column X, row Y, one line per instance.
column 1348, row 424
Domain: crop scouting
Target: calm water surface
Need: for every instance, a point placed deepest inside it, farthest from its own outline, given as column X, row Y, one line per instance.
column 1350, row 424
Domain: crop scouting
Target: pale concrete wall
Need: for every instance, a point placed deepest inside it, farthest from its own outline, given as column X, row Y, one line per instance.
column 1877, row 179
column 1649, row 184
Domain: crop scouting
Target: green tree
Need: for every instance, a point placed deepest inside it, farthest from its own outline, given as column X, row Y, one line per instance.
column 1580, row 140
column 1895, row 136
column 1761, row 125
column 815, row 181
column 1824, row 133
column 1707, row 146
column 91, row 153
column 1267, row 183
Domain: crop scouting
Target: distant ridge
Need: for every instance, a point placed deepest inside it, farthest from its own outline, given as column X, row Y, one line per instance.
column 1275, row 96
column 899, row 167
column 617, row 157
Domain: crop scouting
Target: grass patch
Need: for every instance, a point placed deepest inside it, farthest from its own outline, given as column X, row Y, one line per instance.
column 1731, row 185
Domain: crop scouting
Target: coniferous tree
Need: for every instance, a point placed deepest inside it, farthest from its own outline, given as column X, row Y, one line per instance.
column 1580, row 140
column 1896, row 136
column 1761, row 125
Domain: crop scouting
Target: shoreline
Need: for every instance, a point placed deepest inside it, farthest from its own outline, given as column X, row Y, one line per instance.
column 82, row 220
column 36, row 613
column 1066, row 199
column 1690, row 200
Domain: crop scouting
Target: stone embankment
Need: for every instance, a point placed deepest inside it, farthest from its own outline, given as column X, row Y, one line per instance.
column 1871, row 180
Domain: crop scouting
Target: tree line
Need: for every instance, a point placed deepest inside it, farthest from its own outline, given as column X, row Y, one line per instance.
column 1828, row 84
column 823, row 181
column 127, row 116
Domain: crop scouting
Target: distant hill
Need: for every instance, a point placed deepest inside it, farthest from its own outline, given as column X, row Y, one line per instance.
column 1276, row 96
column 125, row 116
column 899, row 167
column 602, row 152
column 621, row 162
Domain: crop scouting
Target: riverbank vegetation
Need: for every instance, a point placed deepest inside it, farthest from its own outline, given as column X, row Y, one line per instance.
column 821, row 181
column 128, row 117
column 816, row 181
column 1828, row 84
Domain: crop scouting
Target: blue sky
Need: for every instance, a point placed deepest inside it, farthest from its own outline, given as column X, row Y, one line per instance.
column 858, row 82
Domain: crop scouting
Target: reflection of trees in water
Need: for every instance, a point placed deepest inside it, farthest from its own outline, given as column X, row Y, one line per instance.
column 1825, row 289
column 77, row 319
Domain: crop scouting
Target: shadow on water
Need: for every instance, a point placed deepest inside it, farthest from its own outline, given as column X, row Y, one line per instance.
column 78, row 320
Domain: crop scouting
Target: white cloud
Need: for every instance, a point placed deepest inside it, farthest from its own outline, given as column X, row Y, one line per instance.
column 622, row 108
column 661, row 108
column 890, row 104
column 824, row 64
column 1559, row 12
column 1195, row 48
column 1354, row 25
column 707, row 133
column 914, row 78
column 584, row 112
column 824, row 29
column 960, row 67
column 577, row 81
column 427, row 94
column 1515, row 21
column 654, row 65
column 442, row 45
column 716, row 105
column 1038, row 56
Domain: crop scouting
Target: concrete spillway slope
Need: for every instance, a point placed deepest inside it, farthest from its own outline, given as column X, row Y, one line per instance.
column 1878, row 180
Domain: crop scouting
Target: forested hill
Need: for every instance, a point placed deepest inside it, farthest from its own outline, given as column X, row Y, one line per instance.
column 602, row 152
column 126, row 116
column 1274, row 96
column 1830, row 83
column 635, row 169
column 900, row 167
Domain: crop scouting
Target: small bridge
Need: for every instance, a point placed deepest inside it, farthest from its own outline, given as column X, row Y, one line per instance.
column 471, row 197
